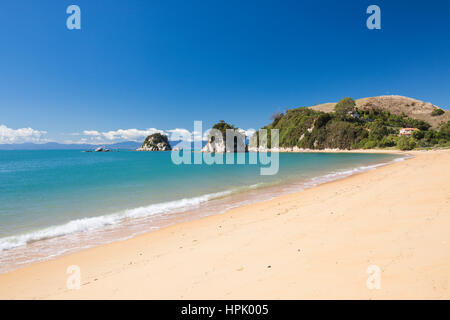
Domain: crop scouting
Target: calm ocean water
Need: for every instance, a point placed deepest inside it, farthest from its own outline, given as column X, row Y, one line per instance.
column 52, row 202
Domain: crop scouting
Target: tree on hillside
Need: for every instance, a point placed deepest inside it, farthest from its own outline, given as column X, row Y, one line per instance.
column 276, row 115
column 344, row 106
column 222, row 126
column 405, row 143
column 437, row 112
column 445, row 129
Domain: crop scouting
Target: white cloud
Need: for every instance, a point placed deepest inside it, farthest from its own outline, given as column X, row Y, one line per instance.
column 179, row 131
column 8, row 135
column 181, row 134
column 107, row 137
column 129, row 134
column 95, row 136
column 81, row 141
column 91, row 133
column 249, row 132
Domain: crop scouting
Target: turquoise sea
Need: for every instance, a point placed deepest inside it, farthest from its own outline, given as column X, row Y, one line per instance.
column 54, row 202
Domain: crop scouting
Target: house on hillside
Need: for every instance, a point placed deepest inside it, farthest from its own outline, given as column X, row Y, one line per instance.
column 354, row 114
column 407, row 131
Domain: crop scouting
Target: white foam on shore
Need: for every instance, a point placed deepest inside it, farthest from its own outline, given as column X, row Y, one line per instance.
column 345, row 173
column 94, row 223
column 97, row 223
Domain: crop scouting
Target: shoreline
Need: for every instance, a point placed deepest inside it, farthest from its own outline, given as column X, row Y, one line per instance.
column 45, row 249
column 120, row 259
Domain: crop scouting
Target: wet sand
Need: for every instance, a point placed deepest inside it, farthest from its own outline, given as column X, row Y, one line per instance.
column 317, row 243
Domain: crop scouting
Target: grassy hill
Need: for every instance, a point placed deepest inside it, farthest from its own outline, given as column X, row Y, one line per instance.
column 365, row 123
column 397, row 105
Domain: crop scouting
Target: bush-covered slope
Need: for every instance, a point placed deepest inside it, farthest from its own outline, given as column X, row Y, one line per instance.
column 350, row 127
column 398, row 105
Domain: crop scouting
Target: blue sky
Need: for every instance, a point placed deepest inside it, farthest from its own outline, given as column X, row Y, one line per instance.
column 163, row 64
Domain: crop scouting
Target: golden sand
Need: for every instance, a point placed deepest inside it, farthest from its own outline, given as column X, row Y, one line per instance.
column 318, row 243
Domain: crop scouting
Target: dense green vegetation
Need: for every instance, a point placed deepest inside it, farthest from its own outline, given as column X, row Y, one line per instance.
column 155, row 139
column 222, row 126
column 344, row 106
column 350, row 128
column 437, row 112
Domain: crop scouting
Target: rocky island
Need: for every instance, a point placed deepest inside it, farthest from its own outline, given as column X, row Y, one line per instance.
column 217, row 139
column 156, row 142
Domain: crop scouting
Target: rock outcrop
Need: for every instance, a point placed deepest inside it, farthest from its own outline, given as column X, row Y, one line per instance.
column 214, row 145
column 217, row 139
column 156, row 142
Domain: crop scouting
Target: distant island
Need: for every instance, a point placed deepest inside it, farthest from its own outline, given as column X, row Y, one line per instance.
column 156, row 142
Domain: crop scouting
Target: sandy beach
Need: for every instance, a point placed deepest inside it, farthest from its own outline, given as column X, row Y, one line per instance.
column 314, row 244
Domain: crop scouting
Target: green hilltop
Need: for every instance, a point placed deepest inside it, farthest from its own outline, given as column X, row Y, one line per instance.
column 349, row 126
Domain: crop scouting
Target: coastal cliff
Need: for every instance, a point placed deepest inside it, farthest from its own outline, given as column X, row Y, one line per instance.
column 156, row 142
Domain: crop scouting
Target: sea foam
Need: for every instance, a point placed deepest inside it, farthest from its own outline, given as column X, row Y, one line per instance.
column 94, row 223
